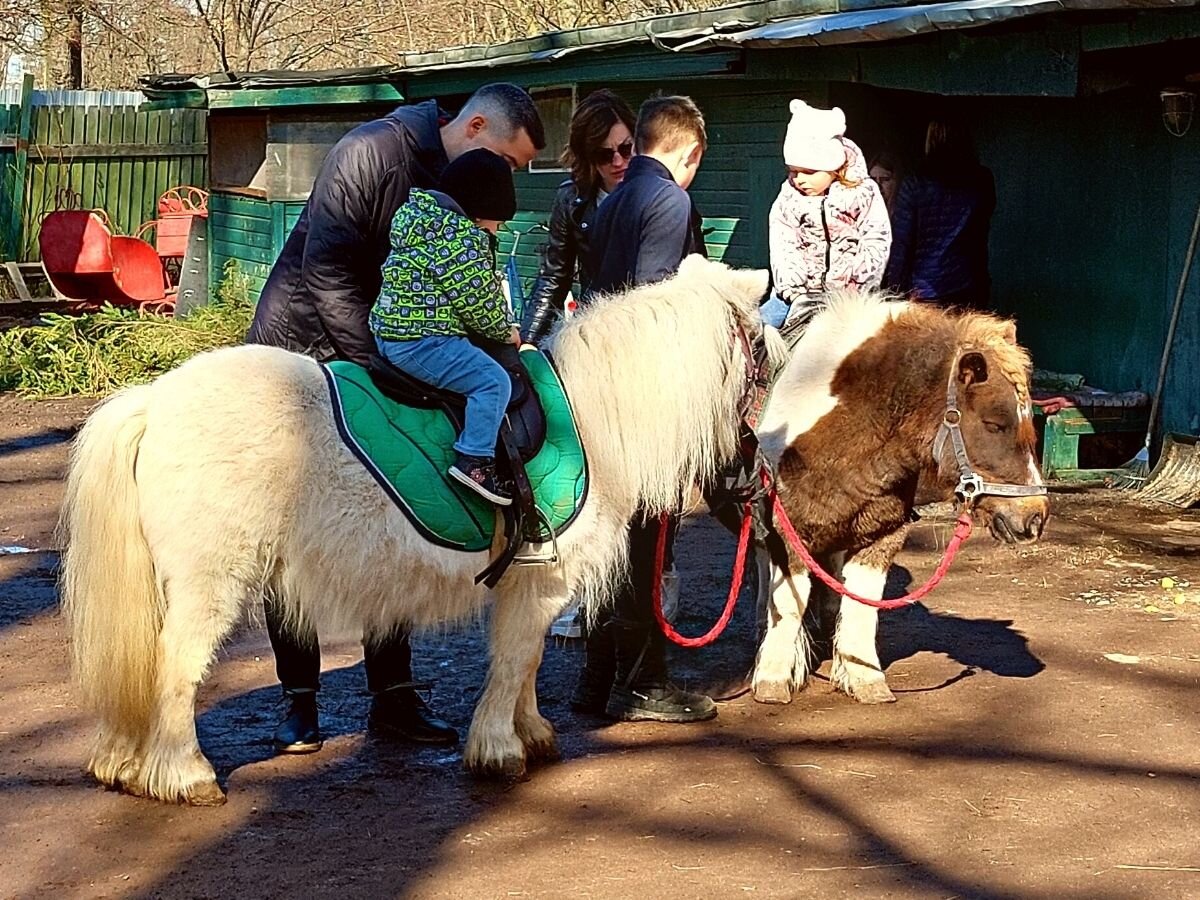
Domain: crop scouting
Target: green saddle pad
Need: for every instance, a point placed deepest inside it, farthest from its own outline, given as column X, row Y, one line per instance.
column 408, row 451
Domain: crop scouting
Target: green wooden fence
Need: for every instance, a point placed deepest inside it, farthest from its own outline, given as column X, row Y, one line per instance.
column 115, row 158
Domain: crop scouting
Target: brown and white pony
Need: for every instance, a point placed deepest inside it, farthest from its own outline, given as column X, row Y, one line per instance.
column 851, row 430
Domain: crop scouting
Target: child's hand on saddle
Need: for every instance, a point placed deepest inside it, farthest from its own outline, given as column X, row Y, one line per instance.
column 514, row 337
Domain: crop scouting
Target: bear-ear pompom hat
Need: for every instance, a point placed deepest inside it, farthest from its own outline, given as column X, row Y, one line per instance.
column 813, row 138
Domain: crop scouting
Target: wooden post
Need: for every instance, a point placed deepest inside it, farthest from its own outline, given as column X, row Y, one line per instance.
column 12, row 228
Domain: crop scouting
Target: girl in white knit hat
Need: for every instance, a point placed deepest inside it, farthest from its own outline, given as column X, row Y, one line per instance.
column 829, row 226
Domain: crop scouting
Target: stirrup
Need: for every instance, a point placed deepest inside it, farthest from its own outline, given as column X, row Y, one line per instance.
column 540, row 558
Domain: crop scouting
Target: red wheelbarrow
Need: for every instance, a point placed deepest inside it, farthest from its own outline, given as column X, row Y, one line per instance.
column 85, row 261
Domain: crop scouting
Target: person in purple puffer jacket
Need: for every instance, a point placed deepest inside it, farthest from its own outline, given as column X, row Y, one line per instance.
column 829, row 226
column 942, row 216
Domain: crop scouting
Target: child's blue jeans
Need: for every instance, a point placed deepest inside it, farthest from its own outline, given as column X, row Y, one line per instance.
column 774, row 311
column 454, row 363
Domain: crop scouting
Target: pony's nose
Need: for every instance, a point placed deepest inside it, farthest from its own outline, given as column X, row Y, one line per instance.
column 1035, row 525
column 1018, row 526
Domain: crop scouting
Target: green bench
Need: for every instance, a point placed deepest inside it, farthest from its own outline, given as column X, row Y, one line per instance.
column 1063, row 429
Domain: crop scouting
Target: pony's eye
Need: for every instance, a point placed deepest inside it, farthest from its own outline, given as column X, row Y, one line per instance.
column 995, row 427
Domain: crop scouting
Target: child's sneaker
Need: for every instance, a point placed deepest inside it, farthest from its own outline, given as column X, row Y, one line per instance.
column 480, row 476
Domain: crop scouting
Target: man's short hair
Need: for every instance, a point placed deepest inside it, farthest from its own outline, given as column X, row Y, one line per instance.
column 509, row 107
column 668, row 123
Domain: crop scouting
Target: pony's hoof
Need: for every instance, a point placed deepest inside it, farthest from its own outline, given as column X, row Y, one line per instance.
column 134, row 787
column 872, row 692
column 510, row 768
column 774, row 692
column 539, row 740
column 543, row 750
column 204, row 794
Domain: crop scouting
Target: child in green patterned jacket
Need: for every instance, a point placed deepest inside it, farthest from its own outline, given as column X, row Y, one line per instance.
column 439, row 286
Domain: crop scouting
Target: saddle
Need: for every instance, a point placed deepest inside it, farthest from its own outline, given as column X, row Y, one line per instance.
column 526, row 420
column 794, row 328
column 521, row 437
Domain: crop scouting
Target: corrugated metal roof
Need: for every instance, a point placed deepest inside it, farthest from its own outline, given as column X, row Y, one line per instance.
column 895, row 23
column 761, row 23
column 155, row 85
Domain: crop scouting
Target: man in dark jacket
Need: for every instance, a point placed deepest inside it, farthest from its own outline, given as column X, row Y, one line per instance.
column 643, row 231
column 317, row 301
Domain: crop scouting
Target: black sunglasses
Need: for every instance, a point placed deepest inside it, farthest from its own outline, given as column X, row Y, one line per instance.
column 605, row 156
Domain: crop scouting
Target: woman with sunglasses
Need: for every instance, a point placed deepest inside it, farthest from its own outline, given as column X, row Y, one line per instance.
column 597, row 154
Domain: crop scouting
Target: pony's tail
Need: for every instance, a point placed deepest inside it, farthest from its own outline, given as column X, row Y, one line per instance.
column 110, row 594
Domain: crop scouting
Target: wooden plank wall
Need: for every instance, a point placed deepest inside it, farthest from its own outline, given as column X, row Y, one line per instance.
column 250, row 230
column 116, row 158
column 240, row 228
column 15, row 120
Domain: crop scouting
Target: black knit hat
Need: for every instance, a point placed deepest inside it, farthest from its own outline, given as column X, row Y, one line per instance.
column 481, row 182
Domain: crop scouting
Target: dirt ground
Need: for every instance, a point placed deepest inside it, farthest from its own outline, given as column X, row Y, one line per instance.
column 1045, row 744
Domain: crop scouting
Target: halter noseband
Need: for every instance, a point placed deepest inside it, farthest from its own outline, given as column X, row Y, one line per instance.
column 971, row 485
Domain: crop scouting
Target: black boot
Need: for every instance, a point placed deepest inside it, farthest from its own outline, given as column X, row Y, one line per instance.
column 399, row 713
column 642, row 691
column 300, row 731
column 599, row 670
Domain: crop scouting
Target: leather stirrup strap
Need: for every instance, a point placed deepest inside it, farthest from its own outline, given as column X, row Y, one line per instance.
column 515, row 516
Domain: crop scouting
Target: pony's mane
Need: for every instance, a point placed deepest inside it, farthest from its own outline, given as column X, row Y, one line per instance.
column 982, row 331
column 652, row 376
column 848, row 310
column 847, row 319
column 845, row 305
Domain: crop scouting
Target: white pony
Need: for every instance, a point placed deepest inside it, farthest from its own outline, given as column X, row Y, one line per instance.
column 189, row 498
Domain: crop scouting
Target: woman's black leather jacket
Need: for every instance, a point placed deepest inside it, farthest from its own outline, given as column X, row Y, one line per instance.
column 565, row 252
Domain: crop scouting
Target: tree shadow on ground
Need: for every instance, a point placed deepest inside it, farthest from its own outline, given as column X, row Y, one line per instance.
column 365, row 818
column 381, row 823
column 23, row 587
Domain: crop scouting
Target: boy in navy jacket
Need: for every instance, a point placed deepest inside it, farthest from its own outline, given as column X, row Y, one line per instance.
column 641, row 234
column 648, row 225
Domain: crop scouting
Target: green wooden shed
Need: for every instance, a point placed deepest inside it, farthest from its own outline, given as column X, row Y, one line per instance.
column 268, row 134
column 1097, row 192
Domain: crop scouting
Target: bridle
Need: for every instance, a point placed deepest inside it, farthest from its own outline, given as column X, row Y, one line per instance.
column 971, row 485
column 756, row 379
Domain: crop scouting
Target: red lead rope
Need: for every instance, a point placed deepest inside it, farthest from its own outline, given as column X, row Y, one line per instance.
column 739, row 567
column 962, row 531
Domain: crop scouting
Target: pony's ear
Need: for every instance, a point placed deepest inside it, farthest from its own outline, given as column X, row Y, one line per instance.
column 972, row 368
column 752, row 283
column 1009, row 332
